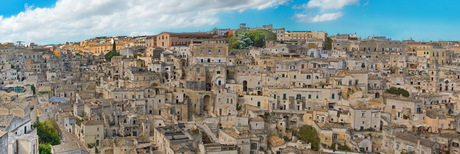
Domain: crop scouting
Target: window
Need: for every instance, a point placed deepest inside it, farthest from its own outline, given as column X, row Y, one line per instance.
column 258, row 104
column 219, row 52
column 254, row 146
column 284, row 96
column 393, row 107
column 335, row 136
column 362, row 115
column 209, row 51
column 218, row 72
column 309, row 96
column 201, row 51
column 308, row 77
column 274, row 96
column 333, row 96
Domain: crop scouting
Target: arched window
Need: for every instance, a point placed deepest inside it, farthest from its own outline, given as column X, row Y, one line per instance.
column 308, row 76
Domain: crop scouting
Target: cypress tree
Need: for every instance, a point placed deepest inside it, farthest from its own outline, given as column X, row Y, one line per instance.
column 114, row 48
column 112, row 53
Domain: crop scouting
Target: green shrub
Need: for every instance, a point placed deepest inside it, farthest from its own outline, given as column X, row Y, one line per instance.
column 44, row 148
column 47, row 133
column 344, row 148
column 398, row 91
column 309, row 134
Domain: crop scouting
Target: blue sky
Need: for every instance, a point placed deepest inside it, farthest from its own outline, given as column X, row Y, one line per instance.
column 46, row 21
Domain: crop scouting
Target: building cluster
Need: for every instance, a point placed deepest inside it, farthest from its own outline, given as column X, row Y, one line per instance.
column 190, row 93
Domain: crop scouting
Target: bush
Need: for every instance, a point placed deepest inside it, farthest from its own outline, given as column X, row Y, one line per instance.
column 309, row 134
column 398, row 91
column 43, row 92
column 344, row 148
column 110, row 54
column 238, row 107
column 44, row 148
column 91, row 145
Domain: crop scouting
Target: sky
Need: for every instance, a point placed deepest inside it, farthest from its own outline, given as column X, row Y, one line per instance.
column 60, row 21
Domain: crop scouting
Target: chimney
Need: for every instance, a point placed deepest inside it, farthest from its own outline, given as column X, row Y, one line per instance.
column 418, row 144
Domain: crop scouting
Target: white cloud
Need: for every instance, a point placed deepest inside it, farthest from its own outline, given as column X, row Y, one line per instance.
column 324, row 14
column 319, row 18
column 71, row 20
column 330, row 4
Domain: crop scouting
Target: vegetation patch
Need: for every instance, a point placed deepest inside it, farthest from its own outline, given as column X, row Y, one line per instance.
column 398, row 91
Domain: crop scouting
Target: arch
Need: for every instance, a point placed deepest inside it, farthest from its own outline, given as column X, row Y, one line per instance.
column 245, row 85
column 206, row 103
column 377, row 95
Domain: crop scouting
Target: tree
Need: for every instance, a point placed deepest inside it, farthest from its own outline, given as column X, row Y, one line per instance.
column 258, row 37
column 32, row 87
column 47, row 133
column 328, row 45
column 114, row 47
column 240, row 40
column 112, row 53
column 44, row 148
column 232, row 42
column 243, row 40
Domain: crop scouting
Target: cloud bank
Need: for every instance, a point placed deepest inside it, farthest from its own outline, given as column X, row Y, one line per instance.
column 328, row 10
column 76, row 19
